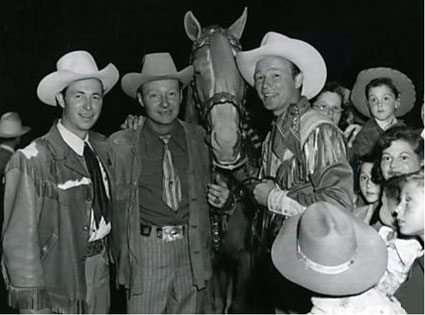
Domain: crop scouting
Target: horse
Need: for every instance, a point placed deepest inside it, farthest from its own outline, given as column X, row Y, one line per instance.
column 216, row 99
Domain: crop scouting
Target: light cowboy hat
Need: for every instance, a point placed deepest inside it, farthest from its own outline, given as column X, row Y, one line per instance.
column 75, row 66
column 329, row 251
column 11, row 126
column 302, row 54
column 156, row 66
column 403, row 84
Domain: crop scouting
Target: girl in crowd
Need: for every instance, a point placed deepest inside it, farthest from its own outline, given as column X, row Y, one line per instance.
column 381, row 94
column 410, row 219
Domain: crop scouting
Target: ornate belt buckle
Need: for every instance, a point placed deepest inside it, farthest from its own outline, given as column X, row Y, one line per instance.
column 172, row 232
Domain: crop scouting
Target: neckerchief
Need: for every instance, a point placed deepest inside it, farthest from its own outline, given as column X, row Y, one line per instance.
column 286, row 130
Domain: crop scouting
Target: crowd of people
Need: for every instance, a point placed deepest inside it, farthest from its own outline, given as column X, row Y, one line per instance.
column 342, row 197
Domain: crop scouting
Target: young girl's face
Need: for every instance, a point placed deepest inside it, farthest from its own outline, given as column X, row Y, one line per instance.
column 399, row 158
column 371, row 192
column 410, row 211
column 382, row 102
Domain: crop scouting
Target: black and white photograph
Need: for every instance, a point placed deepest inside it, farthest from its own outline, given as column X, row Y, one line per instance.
column 212, row 157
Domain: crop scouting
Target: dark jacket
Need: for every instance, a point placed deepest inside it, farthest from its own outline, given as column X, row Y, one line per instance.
column 126, row 161
column 48, row 199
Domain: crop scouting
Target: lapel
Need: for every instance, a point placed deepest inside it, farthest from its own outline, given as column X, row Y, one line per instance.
column 62, row 152
column 100, row 147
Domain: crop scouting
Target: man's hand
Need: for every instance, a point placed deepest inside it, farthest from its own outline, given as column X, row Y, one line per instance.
column 350, row 133
column 218, row 193
column 262, row 190
column 132, row 122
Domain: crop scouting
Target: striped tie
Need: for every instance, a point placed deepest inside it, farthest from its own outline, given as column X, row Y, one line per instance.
column 171, row 189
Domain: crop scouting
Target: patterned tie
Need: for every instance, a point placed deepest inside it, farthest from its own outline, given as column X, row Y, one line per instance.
column 100, row 199
column 171, row 188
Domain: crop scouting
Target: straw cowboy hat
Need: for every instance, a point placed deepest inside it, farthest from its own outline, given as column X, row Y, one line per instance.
column 156, row 66
column 74, row 66
column 329, row 251
column 403, row 84
column 11, row 126
column 300, row 53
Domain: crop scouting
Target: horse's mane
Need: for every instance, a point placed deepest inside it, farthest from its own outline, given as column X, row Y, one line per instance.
column 191, row 113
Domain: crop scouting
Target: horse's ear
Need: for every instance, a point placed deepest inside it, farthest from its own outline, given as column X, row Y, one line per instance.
column 237, row 28
column 192, row 26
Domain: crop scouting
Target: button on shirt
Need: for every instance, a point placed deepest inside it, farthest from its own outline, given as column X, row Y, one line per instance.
column 153, row 210
column 77, row 145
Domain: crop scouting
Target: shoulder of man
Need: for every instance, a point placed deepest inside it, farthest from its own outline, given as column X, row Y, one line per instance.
column 313, row 119
column 194, row 130
column 124, row 137
column 96, row 136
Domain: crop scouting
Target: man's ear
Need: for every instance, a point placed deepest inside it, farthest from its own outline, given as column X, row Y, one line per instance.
column 397, row 103
column 299, row 79
column 140, row 99
column 60, row 100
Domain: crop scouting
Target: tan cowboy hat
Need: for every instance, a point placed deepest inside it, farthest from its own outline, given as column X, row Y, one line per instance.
column 329, row 251
column 74, row 66
column 403, row 84
column 302, row 54
column 156, row 66
column 11, row 126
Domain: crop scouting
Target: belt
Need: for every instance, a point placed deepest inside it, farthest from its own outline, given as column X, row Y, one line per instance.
column 95, row 247
column 167, row 233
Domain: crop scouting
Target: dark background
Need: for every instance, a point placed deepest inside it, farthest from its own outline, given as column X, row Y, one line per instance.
column 350, row 34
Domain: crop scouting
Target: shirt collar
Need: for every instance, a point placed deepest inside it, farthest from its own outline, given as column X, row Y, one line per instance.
column 177, row 134
column 7, row 147
column 73, row 141
column 384, row 126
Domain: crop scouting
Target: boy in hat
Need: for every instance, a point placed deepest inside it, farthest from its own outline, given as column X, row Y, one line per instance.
column 57, row 214
column 305, row 151
column 162, row 180
column 329, row 251
column 382, row 94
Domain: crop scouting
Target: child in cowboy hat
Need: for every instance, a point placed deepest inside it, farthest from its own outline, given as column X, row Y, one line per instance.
column 381, row 94
column 329, row 251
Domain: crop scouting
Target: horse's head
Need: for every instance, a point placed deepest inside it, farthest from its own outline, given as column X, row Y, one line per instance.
column 218, row 88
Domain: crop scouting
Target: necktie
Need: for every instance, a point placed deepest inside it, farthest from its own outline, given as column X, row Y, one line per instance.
column 171, row 188
column 100, row 199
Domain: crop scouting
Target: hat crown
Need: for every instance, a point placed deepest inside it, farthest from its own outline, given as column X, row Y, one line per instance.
column 10, row 123
column 79, row 61
column 326, row 235
column 272, row 37
column 158, row 64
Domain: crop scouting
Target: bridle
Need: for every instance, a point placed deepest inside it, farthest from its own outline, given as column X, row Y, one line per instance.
column 221, row 97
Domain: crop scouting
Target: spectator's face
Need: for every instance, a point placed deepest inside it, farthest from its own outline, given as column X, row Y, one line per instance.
column 82, row 105
column 410, row 211
column 331, row 104
column 275, row 84
column 399, row 158
column 161, row 100
column 382, row 102
column 371, row 192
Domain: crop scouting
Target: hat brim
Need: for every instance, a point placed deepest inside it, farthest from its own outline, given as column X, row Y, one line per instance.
column 302, row 54
column 403, row 84
column 366, row 270
column 131, row 82
column 23, row 131
column 55, row 82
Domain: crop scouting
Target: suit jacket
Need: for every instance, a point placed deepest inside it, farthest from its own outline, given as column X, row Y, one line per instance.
column 48, row 200
column 126, row 161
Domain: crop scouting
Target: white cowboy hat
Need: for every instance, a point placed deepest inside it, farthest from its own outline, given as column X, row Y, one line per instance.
column 74, row 66
column 11, row 126
column 156, row 66
column 329, row 251
column 300, row 53
column 403, row 84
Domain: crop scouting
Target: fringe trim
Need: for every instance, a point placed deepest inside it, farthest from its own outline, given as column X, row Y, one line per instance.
column 39, row 298
column 34, row 298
